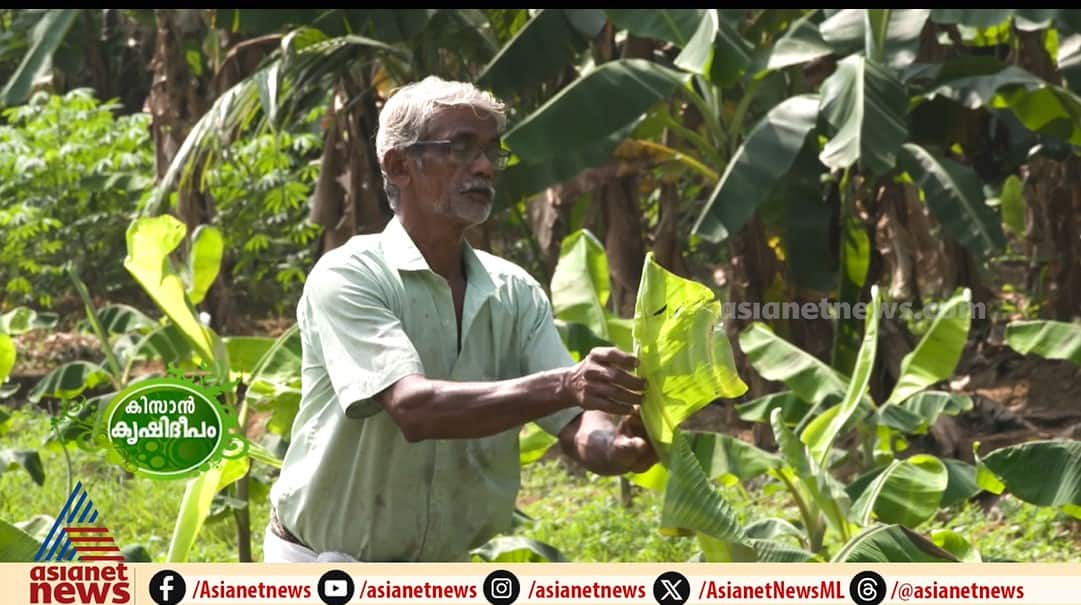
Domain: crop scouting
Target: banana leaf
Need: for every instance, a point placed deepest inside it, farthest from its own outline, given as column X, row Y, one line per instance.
column 892, row 544
column 683, row 354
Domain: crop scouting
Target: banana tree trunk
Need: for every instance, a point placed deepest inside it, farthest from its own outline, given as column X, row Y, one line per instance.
column 1053, row 236
column 175, row 102
column 546, row 213
column 349, row 197
column 623, row 240
column 748, row 274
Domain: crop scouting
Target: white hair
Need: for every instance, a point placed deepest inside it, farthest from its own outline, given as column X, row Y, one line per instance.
column 406, row 115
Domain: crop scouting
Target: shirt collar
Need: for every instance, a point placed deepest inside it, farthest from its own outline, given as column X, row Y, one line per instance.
column 399, row 250
column 402, row 253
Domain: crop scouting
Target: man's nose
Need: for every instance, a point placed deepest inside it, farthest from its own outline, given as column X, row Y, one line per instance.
column 482, row 165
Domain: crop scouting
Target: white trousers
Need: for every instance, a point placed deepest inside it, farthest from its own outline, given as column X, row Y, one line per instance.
column 276, row 550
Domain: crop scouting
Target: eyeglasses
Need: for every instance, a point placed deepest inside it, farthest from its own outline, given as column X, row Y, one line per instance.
column 466, row 149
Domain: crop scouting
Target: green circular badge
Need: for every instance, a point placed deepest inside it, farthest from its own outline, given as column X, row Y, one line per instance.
column 169, row 428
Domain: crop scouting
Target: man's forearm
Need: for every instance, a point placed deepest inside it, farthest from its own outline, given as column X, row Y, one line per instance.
column 442, row 409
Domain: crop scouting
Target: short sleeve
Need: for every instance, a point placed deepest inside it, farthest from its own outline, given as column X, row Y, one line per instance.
column 356, row 335
column 543, row 349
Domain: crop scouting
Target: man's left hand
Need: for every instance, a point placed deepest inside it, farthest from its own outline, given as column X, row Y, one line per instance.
column 631, row 448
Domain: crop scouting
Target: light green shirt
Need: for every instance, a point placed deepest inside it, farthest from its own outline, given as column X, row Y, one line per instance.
column 373, row 312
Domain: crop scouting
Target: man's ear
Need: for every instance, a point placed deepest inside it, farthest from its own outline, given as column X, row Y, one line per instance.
column 396, row 165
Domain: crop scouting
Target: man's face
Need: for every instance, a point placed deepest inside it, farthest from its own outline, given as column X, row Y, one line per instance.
column 453, row 177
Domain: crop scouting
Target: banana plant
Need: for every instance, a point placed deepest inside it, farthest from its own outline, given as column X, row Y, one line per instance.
column 12, row 459
column 861, row 114
column 875, row 515
column 864, row 127
column 580, row 303
column 19, row 320
column 516, row 549
column 580, row 295
column 1050, row 339
column 860, row 128
column 905, row 491
column 13, row 323
column 616, row 108
column 264, row 362
column 814, row 386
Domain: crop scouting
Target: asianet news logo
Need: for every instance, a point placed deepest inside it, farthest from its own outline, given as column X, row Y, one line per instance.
column 78, row 535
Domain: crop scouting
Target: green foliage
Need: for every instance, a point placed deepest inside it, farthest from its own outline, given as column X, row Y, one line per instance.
column 939, row 351
column 892, row 543
column 16, row 544
column 1051, row 339
column 683, row 353
column 137, row 510
column 45, row 37
column 533, row 443
column 28, row 460
column 580, row 283
column 274, row 384
column 598, row 527
column 194, row 508
column 70, row 174
column 766, row 155
column 692, row 502
column 1058, row 483
column 149, row 242
column 574, row 117
column 907, row 492
column 578, row 514
column 953, row 194
column 514, row 549
column 260, row 190
column 865, row 104
column 539, row 49
column 822, row 432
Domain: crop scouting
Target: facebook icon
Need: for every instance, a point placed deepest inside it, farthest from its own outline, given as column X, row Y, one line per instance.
column 167, row 587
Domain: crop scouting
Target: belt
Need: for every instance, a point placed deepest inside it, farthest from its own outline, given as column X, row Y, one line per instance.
column 279, row 530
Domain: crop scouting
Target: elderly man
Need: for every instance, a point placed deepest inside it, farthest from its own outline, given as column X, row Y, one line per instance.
column 423, row 358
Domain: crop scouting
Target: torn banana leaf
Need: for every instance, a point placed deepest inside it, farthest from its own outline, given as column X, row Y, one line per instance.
column 683, row 352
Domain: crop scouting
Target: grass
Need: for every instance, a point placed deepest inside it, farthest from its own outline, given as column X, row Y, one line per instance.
column 584, row 518
column 581, row 515
column 136, row 510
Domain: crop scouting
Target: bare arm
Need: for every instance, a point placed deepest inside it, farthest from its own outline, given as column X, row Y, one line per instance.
column 441, row 409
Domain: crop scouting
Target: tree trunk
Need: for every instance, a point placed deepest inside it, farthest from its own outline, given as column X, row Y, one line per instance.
column 623, row 240
column 329, row 207
column 622, row 213
column 349, row 197
column 174, row 102
column 104, row 84
column 1053, row 236
column 750, row 270
column 369, row 201
column 546, row 214
column 666, row 240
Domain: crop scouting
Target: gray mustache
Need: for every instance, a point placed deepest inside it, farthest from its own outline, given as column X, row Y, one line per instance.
column 482, row 186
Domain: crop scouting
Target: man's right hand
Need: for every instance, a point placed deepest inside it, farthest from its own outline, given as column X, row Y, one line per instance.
column 603, row 381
